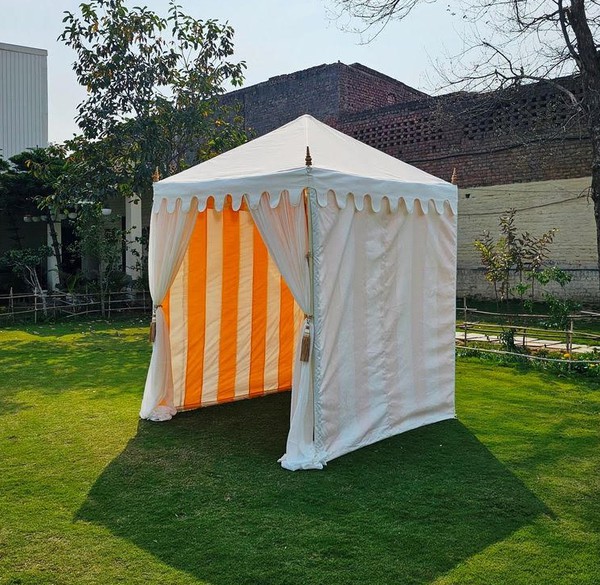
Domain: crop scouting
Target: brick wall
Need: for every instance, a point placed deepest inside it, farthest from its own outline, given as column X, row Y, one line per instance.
column 518, row 135
column 527, row 134
column 362, row 88
column 279, row 100
column 323, row 91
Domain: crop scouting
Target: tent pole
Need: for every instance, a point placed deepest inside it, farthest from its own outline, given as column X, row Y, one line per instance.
column 309, row 256
column 311, row 268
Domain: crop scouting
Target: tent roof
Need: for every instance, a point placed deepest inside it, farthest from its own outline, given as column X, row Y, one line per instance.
column 275, row 162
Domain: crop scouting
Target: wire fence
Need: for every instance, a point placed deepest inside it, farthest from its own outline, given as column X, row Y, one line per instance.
column 521, row 335
column 509, row 334
column 15, row 307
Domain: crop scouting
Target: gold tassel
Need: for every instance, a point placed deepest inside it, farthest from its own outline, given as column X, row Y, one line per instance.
column 305, row 346
column 152, row 332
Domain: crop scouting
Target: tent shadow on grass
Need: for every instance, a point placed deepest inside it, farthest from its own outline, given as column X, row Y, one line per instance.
column 204, row 494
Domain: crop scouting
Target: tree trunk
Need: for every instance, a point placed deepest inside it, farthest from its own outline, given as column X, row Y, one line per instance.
column 596, row 193
column 589, row 67
column 56, row 248
column 14, row 226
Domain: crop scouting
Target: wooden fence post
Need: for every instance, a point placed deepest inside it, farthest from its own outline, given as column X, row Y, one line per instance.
column 570, row 341
column 465, row 313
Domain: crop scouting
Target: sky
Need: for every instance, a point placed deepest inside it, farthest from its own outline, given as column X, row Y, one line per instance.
column 273, row 37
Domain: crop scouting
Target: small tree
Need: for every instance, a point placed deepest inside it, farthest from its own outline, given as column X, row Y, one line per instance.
column 26, row 263
column 525, row 256
column 101, row 239
column 497, row 261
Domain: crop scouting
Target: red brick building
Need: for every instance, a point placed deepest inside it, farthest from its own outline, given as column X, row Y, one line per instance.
column 521, row 135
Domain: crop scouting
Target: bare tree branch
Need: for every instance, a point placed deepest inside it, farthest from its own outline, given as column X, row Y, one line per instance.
column 522, row 41
column 565, row 32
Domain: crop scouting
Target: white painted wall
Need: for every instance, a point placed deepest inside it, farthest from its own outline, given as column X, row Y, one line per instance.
column 541, row 206
column 133, row 225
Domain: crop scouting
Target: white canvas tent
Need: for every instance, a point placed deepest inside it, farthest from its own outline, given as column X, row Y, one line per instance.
column 360, row 270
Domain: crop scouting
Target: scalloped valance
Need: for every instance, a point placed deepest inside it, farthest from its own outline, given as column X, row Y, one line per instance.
column 343, row 170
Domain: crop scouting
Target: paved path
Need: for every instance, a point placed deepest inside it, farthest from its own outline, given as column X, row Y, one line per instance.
column 532, row 342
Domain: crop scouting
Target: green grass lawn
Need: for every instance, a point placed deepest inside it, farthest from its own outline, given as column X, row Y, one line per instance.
column 508, row 493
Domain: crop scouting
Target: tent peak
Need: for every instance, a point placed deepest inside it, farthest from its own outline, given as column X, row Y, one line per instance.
column 272, row 163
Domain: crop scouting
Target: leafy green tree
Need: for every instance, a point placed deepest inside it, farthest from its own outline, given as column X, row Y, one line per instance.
column 153, row 91
column 152, row 109
column 102, row 239
column 28, row 185
column 10, row 205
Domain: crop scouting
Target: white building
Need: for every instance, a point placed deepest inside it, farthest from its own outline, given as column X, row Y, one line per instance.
column 23, row 99
column 24, row 123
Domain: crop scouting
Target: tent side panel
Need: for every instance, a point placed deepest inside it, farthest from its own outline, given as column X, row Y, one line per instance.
column 232, row 320
column 385, row 316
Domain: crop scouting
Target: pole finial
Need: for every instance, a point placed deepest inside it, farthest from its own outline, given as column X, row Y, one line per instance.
column 454, row 179
column 308, row 159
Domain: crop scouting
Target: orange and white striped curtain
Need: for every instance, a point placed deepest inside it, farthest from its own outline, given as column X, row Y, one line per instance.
column 232, row 320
